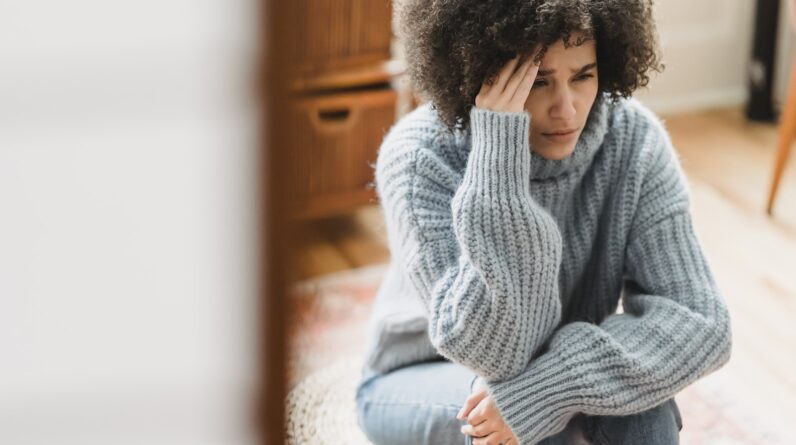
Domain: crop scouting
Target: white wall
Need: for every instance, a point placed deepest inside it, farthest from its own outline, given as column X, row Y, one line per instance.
column 784, row 54
column 706, row 47
column 127, row 221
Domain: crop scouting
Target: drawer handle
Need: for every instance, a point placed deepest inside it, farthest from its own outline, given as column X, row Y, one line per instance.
column 337, row 115
column 333, row 119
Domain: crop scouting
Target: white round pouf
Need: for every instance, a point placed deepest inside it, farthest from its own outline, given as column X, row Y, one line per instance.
column 321, row 409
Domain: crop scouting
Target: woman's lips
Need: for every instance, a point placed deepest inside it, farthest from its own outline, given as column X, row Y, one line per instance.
column 562, row 135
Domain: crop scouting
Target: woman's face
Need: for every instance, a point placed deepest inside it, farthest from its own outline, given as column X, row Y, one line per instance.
column 561, row 98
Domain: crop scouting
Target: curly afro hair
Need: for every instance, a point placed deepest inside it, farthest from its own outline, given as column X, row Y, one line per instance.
column 453, row 46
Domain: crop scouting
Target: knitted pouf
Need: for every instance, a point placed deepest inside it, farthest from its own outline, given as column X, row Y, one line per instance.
column 321, row 408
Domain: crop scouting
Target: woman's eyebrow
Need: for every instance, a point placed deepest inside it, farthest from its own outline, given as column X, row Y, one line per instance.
column 574, row 71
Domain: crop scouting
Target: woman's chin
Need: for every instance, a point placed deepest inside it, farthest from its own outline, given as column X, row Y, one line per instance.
column 553, row 152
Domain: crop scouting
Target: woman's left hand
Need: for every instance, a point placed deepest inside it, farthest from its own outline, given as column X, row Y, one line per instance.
column 485, row 423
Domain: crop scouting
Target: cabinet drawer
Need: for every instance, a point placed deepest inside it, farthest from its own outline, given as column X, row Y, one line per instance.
column 336, row 141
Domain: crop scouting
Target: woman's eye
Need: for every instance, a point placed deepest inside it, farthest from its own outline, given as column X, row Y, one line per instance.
column 542, row 82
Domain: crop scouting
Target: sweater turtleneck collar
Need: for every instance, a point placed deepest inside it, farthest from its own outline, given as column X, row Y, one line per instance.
column 589, row 142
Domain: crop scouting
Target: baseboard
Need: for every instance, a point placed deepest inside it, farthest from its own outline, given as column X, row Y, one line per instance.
column 687, row 102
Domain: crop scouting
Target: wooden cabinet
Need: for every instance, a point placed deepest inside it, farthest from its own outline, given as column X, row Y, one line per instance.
column 332, row 35
column 338, row 137
column 342, row 75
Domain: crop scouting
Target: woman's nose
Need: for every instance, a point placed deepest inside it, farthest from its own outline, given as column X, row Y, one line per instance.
column 563, row 105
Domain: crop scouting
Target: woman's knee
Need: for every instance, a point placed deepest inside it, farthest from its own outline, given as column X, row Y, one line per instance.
column 405, row 422
column 660, row 425
column 389, row 416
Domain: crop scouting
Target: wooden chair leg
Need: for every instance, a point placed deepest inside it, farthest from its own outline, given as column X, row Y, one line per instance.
column 787, row 131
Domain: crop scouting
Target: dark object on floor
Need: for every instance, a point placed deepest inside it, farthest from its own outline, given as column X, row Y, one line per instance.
column 761, row 67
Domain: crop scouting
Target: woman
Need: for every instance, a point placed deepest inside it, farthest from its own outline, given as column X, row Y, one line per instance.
column 522, row 201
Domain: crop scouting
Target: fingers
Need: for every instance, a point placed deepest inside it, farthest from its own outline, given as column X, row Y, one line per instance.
column 506, row 73
column 472, row 401
column 518, row 77
column 526, row 83
column 525, row 86
column 480, row 430
column 522, row 84
column 479, row 413
column 514, row 82
column 495, row 437
column 503, row 92
column 492, row 439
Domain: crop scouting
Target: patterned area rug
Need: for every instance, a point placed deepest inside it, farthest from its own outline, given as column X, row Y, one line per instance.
column 328, row 339
column 331, row 316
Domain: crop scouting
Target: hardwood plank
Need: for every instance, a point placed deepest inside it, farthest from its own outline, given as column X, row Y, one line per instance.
column 317, row 256
column 736, row 157
column 355, row 242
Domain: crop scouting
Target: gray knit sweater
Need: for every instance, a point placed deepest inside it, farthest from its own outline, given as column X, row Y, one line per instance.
column 520, row 262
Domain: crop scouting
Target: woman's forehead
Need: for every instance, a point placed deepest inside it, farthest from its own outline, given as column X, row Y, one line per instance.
column 571, row 59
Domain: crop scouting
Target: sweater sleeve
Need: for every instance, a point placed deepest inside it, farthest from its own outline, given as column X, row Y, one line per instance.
column 480, row 252
column 674, row 329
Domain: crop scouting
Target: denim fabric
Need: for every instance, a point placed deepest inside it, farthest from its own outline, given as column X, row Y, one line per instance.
column 414, row 405
column 659, row 425
column 417, row 405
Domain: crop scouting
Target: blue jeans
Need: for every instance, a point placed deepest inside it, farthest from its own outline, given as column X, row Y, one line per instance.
column 418, row 404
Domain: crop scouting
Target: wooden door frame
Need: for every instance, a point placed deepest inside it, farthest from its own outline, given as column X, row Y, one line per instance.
column 276, row 236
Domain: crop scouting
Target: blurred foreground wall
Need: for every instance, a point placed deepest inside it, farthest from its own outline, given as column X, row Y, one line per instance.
column 127, row 221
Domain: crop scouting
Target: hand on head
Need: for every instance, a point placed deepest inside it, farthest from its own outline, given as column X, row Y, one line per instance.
column 510, row 91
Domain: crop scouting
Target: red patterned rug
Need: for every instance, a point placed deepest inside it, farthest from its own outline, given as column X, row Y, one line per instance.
column 331, row 314
column 331, row 317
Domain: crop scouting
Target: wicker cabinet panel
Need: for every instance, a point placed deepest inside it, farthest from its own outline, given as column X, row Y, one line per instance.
column 337, row 138
column 339, row 34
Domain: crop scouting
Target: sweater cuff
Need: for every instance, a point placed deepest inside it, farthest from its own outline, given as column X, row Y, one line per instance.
column 540, row 401
column 500, row 157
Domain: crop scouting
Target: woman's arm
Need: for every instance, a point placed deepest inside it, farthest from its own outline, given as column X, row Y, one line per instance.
column 486, row 259
column 675, row 327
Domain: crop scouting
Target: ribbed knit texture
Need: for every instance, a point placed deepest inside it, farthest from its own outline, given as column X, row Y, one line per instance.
column 521, row 261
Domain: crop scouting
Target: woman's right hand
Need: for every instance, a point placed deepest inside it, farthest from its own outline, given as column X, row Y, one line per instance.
column 484, row 421
column 511, row 89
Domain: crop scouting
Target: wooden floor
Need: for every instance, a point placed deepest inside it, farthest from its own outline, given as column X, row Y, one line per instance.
column 729, row 165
